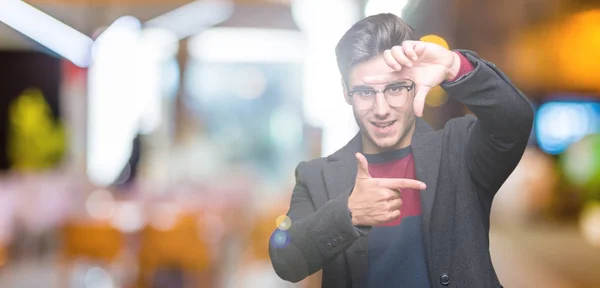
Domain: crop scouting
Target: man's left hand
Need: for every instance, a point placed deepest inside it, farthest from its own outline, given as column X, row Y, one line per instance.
column 426, row 64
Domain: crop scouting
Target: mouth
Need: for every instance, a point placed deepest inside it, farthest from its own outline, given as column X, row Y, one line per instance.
column 383, row 127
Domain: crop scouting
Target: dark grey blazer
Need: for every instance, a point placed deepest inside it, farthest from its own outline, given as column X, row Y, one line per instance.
column 463, row 165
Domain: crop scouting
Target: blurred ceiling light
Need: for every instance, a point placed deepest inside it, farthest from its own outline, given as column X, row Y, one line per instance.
column 46, row 30
column 114, row 99
column 194, row 17
column 385, row 6
column 247, row 45
column 122, row 25
column 315, row 17
column 322, row 105
column 160, row 43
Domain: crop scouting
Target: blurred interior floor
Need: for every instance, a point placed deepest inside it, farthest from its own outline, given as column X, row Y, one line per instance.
column 550, row 257
column 544, row 256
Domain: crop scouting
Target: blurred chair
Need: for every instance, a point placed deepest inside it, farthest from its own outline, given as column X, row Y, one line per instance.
column 98, row 242
column 257, row 253
column 3, row 254
column 178, row 250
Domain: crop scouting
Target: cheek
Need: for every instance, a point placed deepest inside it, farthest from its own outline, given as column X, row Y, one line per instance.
column 361, row 116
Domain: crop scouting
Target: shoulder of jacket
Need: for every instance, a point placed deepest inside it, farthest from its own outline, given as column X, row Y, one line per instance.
column 460, row 124
column 311, row 165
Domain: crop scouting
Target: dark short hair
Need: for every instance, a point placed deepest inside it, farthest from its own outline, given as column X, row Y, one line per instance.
column 369, row 38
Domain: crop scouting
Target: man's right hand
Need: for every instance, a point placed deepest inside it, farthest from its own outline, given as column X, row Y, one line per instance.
column 375, row 201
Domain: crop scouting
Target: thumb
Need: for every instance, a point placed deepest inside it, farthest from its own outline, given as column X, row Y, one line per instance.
column 363, row 167
column 419, row 102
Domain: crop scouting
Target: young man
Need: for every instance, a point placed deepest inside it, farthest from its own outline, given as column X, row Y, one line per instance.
column 402, row 205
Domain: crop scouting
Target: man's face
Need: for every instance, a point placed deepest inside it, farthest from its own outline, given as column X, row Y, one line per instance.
column 384, row 127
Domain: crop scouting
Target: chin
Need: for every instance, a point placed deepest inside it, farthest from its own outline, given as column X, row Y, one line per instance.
column 386, row 144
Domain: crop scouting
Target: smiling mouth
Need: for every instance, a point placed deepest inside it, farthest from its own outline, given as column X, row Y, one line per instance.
column 383, row 125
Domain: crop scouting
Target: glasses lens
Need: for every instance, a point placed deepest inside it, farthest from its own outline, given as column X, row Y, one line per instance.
column 396, row 96
column 363, row 99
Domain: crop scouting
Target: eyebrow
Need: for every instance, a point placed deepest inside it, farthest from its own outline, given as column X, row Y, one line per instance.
column 395, row 83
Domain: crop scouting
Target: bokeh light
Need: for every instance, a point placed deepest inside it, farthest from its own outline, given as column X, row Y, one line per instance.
column 128, row 217
column 436, row 97
column 581, row 164
column 164, row 216
column 283, row 222
column 590, row 223
column 559, row 124
column 97, row 277
column 435, row 39
column 100, row 204
column 280, row 238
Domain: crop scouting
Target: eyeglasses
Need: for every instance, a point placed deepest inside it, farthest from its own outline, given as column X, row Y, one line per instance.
column 396, row 95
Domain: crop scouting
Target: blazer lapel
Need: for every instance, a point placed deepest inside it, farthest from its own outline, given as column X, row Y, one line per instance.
column 339, row 174
column 427, row 153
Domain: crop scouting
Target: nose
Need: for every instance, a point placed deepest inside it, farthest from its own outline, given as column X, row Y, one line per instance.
column 382, row 108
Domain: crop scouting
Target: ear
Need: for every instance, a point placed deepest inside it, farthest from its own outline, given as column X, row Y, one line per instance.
column 345, row 90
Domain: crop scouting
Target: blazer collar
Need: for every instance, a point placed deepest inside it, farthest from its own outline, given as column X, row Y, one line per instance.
column 340, row 173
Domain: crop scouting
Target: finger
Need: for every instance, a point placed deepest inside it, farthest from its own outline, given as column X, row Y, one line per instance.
column 363, row 167
column 390, row 60
column 409, row 50
column 419, row 102
column 390, row 194
column 400, row 56
column 395, row 204
column 419, row 47
column 402, row 184
column 394, row 214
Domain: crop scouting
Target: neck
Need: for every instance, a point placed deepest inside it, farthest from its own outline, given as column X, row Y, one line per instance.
column 405, row 140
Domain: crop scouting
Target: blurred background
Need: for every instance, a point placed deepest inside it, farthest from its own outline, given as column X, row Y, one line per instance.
column 148, row 143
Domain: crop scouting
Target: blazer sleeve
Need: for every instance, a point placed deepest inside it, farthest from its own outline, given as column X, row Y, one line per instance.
column 497, row 140
column 315, row 236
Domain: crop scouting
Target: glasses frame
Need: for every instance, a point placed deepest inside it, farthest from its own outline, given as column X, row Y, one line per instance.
column 408, row 89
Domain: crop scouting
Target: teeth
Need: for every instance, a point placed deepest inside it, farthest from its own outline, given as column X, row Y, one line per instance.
column 383, row 125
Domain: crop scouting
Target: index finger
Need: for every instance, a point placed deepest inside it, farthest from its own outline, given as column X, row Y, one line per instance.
column 402, row 184
column 419, row 100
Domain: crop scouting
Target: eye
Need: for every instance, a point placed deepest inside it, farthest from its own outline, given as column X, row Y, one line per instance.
column 365, row 93
column 396, row 90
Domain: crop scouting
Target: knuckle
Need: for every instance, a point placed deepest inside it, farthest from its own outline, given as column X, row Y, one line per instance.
column 377, row 183
column 390, row 195
column 389, row 206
